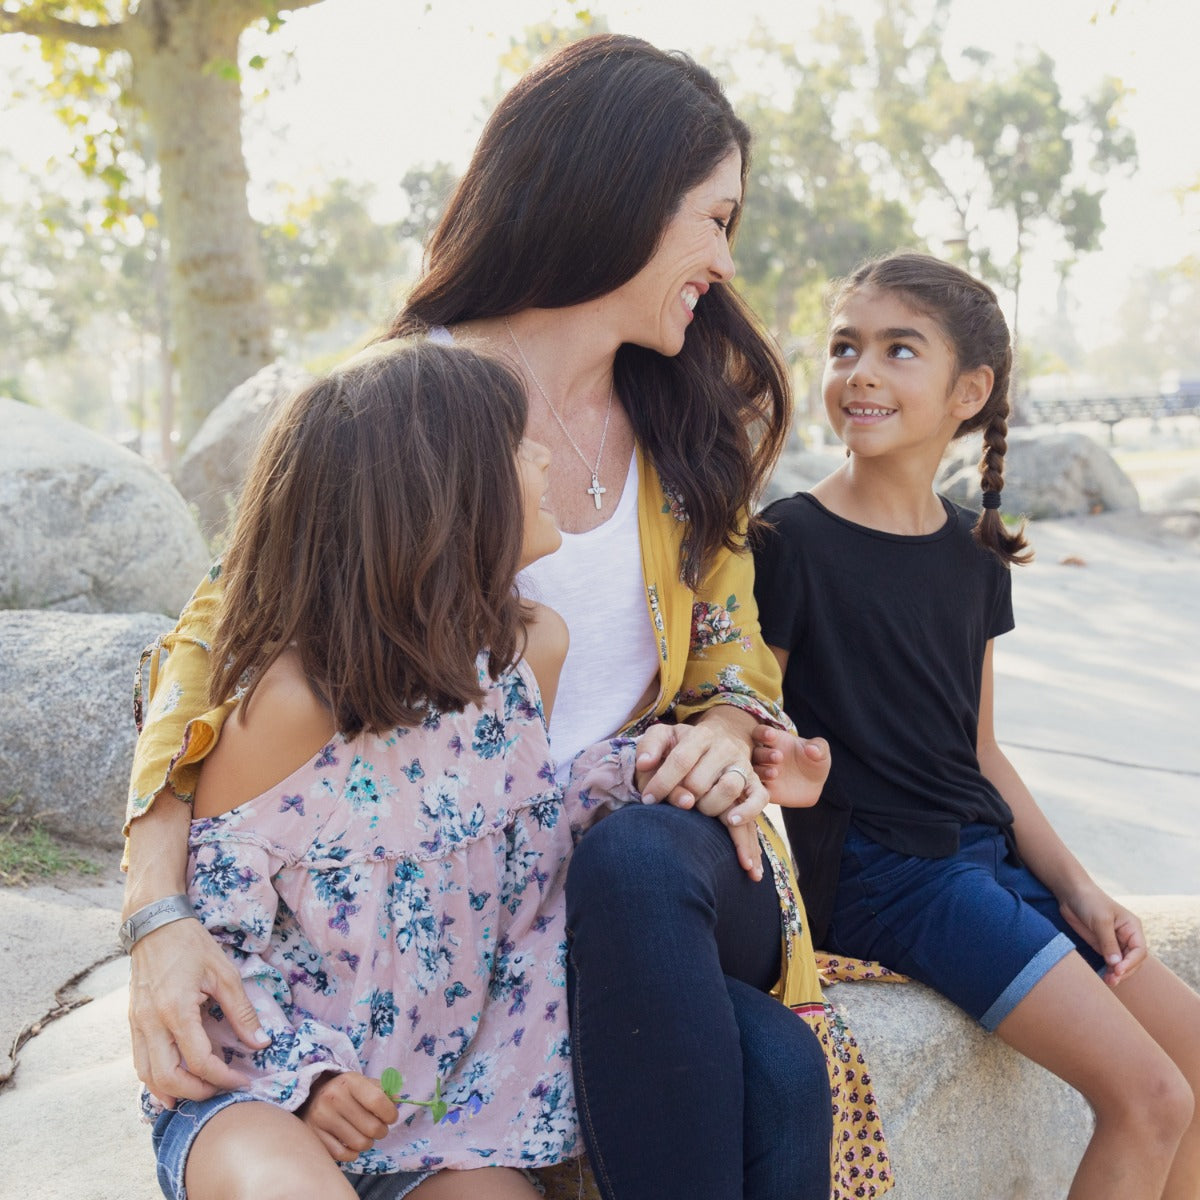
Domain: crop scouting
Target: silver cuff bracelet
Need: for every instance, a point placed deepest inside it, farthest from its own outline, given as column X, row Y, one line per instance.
column 151, row 917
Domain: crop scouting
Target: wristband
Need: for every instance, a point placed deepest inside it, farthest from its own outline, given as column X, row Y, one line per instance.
column 151, row 917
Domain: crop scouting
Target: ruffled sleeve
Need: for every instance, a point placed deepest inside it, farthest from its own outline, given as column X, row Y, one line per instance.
column 230, row 886
column 177, row 726
column 601, row 779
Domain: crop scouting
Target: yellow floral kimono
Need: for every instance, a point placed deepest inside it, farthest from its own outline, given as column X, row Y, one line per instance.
column 710, row 652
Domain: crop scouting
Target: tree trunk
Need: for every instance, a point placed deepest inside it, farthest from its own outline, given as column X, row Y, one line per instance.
column 166, row 364
column 184, row 53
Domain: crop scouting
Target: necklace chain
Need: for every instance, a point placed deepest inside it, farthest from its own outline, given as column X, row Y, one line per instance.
column 595, row 491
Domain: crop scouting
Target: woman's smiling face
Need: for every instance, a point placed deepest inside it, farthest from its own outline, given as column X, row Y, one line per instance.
column 658, row 304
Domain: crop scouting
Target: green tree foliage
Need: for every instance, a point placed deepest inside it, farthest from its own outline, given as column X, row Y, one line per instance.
column 426, row 189
column 176, row 61
column 1155, row 331
column 329, row 261
column 983, row 139
column 69, row 279
column 536, row 42
column 331, row 267
column 812, row 207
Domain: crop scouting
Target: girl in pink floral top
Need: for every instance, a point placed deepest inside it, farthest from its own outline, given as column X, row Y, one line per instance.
column 377, row 839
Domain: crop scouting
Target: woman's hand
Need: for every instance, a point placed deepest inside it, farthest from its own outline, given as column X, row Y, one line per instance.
column 707, row 766
column 348, row 1112
column 175, row 971
column 1109, row 928
column 793, row 768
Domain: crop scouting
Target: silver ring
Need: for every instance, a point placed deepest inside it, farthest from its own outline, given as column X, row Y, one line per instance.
column 745, row 777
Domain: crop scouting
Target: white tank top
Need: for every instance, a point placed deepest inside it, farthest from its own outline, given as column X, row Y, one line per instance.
column 595, row 582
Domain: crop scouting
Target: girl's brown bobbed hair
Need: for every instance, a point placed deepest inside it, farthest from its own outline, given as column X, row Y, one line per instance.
column 379, row 533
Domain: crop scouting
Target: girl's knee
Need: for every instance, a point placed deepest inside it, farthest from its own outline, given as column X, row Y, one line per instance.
column 1159, row 1102
column 256, row 1151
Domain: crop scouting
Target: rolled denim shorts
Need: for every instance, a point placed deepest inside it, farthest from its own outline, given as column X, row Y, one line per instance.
column 176, row 1128
column 976, row 926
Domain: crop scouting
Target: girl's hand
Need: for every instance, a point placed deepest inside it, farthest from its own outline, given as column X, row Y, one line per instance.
column 348, row 1112
column 706, row 767
column 793, row 768
column 1109, row 928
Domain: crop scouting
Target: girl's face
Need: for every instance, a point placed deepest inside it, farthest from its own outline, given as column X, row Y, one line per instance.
column 656, row 306
column 541, row 534
column 891, row 378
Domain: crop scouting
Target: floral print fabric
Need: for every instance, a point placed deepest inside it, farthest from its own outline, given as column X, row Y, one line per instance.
column 398, row 902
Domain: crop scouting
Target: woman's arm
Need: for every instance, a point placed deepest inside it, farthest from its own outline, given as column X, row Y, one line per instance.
column 1109, row 928
column 282, row 728
column 179, row 724
column 178, row 967
column 730, row 684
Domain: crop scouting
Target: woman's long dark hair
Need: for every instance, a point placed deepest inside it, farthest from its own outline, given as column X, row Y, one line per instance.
column 571, row 186
column 379, row 533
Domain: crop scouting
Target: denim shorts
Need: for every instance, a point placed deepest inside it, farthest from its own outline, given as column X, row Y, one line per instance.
column 975, row 926
column 176, row 1128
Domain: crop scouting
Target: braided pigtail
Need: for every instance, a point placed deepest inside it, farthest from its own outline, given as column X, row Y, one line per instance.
column 990, row 531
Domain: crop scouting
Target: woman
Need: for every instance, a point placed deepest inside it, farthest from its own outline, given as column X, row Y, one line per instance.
column 588, row 243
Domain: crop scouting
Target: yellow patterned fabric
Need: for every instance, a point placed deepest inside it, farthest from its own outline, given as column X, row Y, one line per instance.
column 177, row 725
column 838, row 969
column 710, row 652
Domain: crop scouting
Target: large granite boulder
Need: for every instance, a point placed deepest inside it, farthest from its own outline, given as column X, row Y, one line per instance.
column 1184, row 490
column 67, row 733
column 86, row 525
column 212, row 469
column 799, row 468
column 1045, row 475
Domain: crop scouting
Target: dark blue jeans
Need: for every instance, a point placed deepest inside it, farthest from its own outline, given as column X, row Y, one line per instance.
column 691, row 1081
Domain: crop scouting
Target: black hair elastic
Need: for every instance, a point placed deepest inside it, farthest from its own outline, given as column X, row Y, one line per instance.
column 991, row 499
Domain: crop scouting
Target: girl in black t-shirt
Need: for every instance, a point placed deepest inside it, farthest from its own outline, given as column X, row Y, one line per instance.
column 928, row 853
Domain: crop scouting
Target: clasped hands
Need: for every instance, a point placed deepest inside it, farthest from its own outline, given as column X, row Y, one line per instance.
column 728, row 766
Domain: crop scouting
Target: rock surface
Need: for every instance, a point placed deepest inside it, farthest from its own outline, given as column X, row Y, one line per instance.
column 211, row 471
column 1183, row 490
column 798, row 469
column 965, row 1115
column 86, row 525
column 67, row 732
column 1046, row 474
column 71, row 927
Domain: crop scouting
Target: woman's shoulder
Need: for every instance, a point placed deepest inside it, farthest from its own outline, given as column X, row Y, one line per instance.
column 282, row 727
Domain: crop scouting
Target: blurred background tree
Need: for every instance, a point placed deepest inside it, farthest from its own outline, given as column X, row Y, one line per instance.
column 175, row 62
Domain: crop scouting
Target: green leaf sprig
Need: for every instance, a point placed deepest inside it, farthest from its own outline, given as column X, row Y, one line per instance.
column 392, row 1083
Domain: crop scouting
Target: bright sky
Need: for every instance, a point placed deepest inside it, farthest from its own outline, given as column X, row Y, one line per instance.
column 374, row 86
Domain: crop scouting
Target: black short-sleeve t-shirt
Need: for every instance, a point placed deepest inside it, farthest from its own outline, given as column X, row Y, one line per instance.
column 886, row 636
